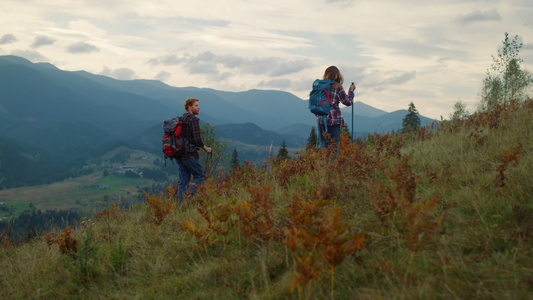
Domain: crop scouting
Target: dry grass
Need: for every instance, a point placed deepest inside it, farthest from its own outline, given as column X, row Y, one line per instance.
column 435, row 215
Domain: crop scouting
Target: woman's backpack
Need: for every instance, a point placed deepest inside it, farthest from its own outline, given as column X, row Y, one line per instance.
column 320, row 102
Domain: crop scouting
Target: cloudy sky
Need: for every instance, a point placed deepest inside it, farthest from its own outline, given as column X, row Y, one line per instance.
column 433, row 53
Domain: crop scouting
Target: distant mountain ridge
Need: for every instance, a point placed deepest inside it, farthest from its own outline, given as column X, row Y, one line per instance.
column 73, row 114
column 151, row 101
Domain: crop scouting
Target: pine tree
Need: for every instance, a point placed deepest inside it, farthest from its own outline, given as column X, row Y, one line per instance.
column 234, row 163
column 411, row 121
column 282, row 153
column 312, row 139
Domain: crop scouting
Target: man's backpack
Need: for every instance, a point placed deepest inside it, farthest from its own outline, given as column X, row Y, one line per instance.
column 320, row 102
column 174, row 144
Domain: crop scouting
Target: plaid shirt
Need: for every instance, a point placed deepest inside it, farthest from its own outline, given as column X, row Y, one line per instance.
column 339, row 96
column 191, row 131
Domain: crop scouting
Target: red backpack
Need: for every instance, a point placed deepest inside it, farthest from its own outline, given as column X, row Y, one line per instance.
column 174, row 144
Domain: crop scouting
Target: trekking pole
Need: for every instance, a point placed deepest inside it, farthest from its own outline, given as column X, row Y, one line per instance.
column 352, row 119
column 209, row 158
column 352, row 123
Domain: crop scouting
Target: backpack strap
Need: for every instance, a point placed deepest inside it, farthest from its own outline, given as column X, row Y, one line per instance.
column 328, row 99
column 325, row 118
column 185, row 117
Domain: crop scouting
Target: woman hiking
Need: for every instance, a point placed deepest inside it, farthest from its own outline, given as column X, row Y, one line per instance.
column 334, row 119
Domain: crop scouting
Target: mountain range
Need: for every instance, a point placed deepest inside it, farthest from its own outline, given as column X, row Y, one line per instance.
column 69, row 115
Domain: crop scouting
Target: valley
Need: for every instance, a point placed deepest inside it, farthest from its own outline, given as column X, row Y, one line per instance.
column 108, row 184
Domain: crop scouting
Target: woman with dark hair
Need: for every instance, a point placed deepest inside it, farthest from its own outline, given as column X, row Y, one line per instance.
column 334, row 119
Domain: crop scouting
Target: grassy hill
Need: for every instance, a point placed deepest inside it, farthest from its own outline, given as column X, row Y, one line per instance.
column 434, row 215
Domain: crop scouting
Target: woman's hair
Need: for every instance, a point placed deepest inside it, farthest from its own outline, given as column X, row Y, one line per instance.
column 333, row 73
column 189, row 102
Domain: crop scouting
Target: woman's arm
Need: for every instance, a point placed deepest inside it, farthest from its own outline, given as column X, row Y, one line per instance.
column 346, row 99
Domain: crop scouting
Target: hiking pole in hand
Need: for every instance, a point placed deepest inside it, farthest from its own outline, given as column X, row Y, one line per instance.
column 352, row 117
column 209, row 166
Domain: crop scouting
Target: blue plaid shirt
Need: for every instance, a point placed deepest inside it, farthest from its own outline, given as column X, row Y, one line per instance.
column 339, row 96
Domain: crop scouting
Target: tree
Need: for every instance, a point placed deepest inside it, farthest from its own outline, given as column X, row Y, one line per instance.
column 234, row 163
column 505, row 80
column 282, row 153
column 312, row 139
column 516, row 80
column 411, row 121
column 219, row 156
column 491, row 92
column 459, row 111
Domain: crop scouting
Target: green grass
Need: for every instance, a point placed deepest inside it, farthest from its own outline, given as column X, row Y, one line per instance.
column 19, row 206
column 63, row 195
column 444, row 216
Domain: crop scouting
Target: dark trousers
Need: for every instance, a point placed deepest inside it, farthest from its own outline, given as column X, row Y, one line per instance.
column 189, row 167
column 333, row 135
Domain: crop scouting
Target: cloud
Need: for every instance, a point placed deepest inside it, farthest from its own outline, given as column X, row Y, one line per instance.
column 339, row 1
column 81, row 47
column 274, row 66
column 167, row 60
column 29, row 55
column 276, row 83
column 162, row 76
column 202, row 68
column 220, row 76
column 529, row 22
column 479, row 16
column 400, row 78
column 121, row 73
column 380, row 80
column 209, row 63
column 7, row 39
column 42, row 41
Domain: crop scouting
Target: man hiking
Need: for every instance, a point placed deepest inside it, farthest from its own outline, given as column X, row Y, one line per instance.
column 189, row 164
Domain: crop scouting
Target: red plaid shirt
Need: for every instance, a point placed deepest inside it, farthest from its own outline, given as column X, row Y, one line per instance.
column 339, row 96
column 191, row 131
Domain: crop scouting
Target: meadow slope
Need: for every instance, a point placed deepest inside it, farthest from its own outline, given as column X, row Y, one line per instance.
column 439, row 214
